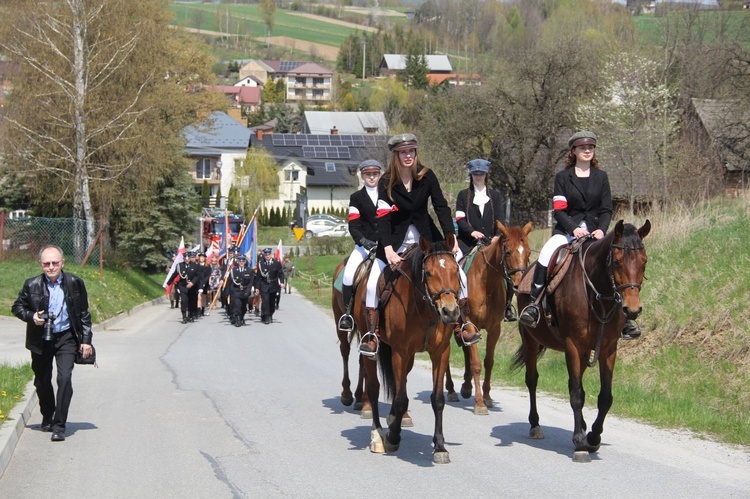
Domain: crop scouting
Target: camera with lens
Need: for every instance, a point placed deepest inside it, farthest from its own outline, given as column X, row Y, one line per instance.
column 49, row 320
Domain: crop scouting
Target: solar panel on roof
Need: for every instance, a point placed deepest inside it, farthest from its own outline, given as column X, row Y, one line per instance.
column 287, row 65
column 326, row 152
column 278, row 140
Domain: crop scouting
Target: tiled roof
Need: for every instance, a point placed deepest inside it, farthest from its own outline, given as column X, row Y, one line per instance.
column 347, row 123
column 218, row 131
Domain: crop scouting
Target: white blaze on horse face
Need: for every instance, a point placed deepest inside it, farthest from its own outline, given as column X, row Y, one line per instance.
column 442, row 263
column 520, row 250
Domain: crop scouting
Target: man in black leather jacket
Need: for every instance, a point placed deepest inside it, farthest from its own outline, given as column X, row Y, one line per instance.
column 55, row 308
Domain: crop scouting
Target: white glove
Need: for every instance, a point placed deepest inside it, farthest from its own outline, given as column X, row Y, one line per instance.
column 200, row 291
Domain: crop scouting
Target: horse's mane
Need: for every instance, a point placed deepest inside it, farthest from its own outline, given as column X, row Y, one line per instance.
column 630, row 239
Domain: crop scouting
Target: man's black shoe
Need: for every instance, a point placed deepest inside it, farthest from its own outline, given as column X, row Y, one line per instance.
column 510, row 315
column 346, row 323
column 46, row 427
column 57, row 436
column 630, row 331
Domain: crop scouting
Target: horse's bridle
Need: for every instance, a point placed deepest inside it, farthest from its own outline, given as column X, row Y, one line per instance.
column 616, row 297
column 424, row 290
column 506, row 272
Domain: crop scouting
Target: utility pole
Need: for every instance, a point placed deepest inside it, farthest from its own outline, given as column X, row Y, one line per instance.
column 364, row 51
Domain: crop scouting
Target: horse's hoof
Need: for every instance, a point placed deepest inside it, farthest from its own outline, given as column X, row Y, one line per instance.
column 536, row 433
column 347, row 401
column 466, row 392
column 489, row 402
column 452, row 397
column 407, row 422
column 389, row 447
column 376, row 442
column 365, row 415
column 481, row 411
column 358, row 406
column 581, row 456
column 441, row 458
column 593, row 441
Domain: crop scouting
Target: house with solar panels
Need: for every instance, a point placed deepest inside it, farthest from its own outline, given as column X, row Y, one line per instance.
column 318, row 171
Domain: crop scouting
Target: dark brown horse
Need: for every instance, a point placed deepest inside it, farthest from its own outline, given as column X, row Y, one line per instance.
column 493, row 266
column 600, row 289
column 359, row 398
column 419, row 316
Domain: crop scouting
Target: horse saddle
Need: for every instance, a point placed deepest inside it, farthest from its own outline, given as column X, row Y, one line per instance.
column 558, row 267
column 467, row 259
column 390, row 275
column 360, row 274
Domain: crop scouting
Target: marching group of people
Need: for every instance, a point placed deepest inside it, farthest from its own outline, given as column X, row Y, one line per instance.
column 236, row 284
column 390, row 213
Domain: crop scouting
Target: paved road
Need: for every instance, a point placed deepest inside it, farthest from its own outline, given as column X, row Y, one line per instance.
column 209, row 410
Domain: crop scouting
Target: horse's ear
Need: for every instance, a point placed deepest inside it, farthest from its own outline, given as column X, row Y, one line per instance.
column 501, row 228
column 645, row 229
column 424, row 244
column 528, row 228
column 619, row 229
column 450, row 240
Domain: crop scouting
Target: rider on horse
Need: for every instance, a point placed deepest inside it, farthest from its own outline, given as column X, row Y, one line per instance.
column 403, row 194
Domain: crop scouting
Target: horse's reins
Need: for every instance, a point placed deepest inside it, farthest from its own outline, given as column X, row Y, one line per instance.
column 506, row 273
column 616, row 297
column 432, row 300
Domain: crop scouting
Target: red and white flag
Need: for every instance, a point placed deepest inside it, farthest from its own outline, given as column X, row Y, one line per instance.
column 179, row 258
column 279, row 253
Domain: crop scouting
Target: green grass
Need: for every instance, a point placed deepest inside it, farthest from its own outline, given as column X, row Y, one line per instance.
column 13, row 381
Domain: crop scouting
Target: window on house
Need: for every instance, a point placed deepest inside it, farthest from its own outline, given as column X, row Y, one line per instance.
column 291, row 175
column 318, row 94
column 330, row 167
column 318, row 81
column 300, row 81
column 203, row 169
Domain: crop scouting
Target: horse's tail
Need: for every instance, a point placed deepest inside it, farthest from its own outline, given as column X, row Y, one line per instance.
column 385, row 361
column 518, row 360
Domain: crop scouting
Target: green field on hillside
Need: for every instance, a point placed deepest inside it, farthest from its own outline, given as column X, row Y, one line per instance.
column 731, row 24
column 247, row 20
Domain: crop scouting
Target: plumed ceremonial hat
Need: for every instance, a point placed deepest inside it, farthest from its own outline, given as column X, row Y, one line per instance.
column 369, row 164
column 582, row 138
column 478, row 166
column 402, row 142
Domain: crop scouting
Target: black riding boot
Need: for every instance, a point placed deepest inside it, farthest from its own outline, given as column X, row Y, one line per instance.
column 630, row 330
column 184, row 318
column 510, row 313
column 346, row 321
column 530, row 315
column 368, row 346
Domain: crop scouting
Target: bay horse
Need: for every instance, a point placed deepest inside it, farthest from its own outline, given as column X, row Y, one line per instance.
column 359, row 398
column 589, row 305
column 502, row 261
column 420, row 315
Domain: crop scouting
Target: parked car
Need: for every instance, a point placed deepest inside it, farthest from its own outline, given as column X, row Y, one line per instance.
column 326, row 216
column 340, row 230
column 316, row 226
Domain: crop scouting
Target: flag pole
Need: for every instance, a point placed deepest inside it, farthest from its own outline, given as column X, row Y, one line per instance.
column 240, row 238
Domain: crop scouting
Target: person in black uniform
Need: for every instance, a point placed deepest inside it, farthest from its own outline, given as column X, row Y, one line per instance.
column 189, row 277
column 363, row 227
column 204, row 269
column 477, row 210
column 226, row 264
column 582, row 204
column 192, row 291
column 240, row 284
column 60, row 298
column 268, row 283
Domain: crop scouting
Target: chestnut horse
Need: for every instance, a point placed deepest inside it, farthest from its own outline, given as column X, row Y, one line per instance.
column 420, row 315
column 600, row 289
column 502, row 261
column 359, row 398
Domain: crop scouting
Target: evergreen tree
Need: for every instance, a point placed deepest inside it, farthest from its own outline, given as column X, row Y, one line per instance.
column 205, row 194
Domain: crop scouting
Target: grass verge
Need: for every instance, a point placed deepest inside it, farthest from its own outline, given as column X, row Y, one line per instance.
column 13, row 381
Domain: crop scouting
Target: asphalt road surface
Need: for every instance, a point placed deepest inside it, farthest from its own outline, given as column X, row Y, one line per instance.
column 208, row 410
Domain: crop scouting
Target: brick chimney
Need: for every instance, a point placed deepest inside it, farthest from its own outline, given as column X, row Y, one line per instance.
column 334, row 131
column 259, row 134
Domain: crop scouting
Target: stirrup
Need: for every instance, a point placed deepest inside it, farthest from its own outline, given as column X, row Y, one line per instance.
column 362, row 342
column 346, row 329
column 460, row 336
column 523, row 317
